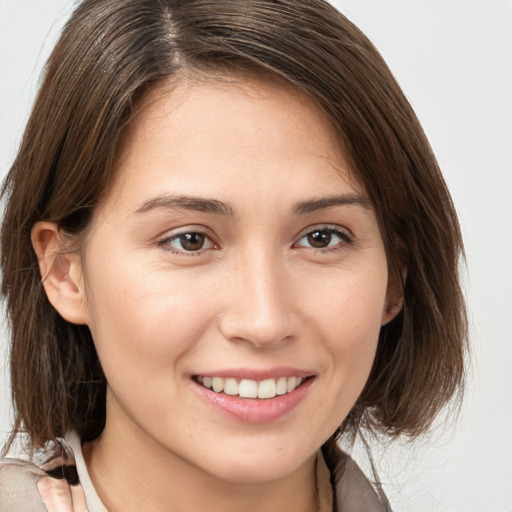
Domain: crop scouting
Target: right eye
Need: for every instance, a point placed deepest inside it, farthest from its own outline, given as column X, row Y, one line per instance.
column 187, row 242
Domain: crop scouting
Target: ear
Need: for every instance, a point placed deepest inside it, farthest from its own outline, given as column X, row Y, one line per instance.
column 61, row 272
column 394, row 296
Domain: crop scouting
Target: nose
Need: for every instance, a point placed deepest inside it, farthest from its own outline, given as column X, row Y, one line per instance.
column 259, row 308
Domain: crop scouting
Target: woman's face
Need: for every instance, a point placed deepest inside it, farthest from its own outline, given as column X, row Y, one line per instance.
column 234, row 250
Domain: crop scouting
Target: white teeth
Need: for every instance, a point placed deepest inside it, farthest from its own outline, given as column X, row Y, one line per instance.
column 291, row 383
column 248, row 388
column 231, row 387
column 281, row 386
column 267, row 389
column 218, row 384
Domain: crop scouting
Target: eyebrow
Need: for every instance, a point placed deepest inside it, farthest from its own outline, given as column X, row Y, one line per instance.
column 323, row 203
column 216, row 207
column 198, row 204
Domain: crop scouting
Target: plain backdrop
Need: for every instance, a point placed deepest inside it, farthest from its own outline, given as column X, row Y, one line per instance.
column 453, row 59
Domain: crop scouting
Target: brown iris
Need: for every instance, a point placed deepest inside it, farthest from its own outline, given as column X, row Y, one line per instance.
column 192, row 241
column 319, row 239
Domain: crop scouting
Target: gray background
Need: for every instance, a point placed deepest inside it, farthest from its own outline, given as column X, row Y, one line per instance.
column 454, row 60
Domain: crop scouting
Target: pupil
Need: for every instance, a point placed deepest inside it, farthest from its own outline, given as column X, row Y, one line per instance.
column 192, row 241
column 319, row 239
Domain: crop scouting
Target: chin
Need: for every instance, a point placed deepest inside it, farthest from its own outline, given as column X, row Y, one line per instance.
column 259, row 466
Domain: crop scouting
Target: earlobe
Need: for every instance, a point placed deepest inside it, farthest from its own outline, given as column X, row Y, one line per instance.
column 391, row 311
column 394, row 298
column 61, row 272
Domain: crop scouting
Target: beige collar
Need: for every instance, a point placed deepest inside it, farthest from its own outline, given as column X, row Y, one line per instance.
column 323, row 484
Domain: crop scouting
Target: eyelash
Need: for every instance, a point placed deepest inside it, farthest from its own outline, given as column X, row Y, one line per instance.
column 165, row 242
column 344, row 237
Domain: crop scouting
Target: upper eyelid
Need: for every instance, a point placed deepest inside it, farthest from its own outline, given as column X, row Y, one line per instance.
column 346, row 239
column 319, row 227
column 167, row 237
column 174, row 233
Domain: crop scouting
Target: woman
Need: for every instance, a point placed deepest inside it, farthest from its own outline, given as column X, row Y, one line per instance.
column 218, row 261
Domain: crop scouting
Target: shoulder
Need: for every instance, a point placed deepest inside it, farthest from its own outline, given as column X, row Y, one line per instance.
column 38, row 481
column 353, row 491
column 18, row 486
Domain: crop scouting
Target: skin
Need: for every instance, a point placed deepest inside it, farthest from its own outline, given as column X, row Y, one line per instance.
column 257, row 295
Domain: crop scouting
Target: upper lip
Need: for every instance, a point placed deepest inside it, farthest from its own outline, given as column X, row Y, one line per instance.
column 258, row 374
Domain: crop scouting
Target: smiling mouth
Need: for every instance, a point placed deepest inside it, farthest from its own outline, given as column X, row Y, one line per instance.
column 248, row 388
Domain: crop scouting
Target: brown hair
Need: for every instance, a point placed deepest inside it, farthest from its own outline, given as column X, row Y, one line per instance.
column 110, row 53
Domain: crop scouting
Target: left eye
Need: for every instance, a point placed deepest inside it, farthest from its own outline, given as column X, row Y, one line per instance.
column 324, row 238
column 192, row 241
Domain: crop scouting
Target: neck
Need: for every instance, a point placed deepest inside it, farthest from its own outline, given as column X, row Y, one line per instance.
column 131, row 476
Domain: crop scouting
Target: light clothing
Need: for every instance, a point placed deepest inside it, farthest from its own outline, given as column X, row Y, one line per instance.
column 59, row 474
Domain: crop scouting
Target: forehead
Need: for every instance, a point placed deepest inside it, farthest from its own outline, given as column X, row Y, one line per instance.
column 216, row 133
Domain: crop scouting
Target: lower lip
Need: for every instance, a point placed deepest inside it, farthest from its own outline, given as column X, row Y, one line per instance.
column 254, row 410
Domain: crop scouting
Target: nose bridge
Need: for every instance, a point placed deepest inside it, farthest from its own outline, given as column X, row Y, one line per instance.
column 259, row 308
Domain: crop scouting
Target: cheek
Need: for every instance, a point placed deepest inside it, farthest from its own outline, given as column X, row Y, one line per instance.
column 144, row 320
column 349, row 307
column 361, row 318
column 348, row 320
